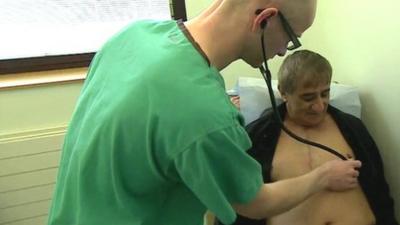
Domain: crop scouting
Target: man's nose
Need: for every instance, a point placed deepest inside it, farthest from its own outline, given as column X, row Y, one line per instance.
column 319, row 105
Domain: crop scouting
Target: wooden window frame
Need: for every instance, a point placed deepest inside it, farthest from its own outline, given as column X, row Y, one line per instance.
column 33, row 64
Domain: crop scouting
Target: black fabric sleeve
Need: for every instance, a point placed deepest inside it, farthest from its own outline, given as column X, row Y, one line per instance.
column 372, row 178
column 382, row 202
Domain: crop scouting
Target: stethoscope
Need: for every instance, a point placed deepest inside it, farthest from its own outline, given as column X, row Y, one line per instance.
column 267, row 77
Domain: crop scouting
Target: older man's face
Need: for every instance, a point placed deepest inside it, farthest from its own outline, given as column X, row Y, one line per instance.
column 307, row 106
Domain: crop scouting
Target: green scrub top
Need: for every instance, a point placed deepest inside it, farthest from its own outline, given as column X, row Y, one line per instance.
column 154, row 139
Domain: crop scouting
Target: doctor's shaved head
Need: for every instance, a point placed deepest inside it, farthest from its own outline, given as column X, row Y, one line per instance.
column 229, row 30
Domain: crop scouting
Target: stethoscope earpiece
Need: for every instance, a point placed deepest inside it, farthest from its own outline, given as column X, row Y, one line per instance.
column 263, row 24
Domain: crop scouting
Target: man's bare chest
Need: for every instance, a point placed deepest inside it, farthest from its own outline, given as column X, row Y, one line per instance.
column 293, row 158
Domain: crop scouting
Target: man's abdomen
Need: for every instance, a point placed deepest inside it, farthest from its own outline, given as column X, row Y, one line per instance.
column 329, row 208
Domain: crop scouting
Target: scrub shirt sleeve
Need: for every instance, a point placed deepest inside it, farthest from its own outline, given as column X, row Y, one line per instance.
column 217, row 169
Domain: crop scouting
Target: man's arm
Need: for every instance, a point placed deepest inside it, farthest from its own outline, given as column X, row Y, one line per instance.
column 278, row 197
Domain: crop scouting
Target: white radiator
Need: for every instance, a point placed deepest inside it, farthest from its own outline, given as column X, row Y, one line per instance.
column 28, row 170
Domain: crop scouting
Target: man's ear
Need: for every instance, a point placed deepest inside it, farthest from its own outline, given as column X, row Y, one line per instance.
column 283, row 95
column 262, row 16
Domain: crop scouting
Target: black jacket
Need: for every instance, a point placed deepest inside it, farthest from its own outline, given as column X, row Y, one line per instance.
column 265, row 132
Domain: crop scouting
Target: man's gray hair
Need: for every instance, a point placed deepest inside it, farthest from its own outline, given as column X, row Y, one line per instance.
column 303, row 67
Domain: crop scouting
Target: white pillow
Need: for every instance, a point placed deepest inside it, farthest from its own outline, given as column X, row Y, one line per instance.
column 254, row 97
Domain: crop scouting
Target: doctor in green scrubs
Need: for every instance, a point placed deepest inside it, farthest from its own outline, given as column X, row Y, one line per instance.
column 154, row 139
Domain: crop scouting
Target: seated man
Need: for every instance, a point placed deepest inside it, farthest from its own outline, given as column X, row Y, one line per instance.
column 304, row 84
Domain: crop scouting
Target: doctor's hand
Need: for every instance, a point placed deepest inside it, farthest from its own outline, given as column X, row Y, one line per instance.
column 339, row 175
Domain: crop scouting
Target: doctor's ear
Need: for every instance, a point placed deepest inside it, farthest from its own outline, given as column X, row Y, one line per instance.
column 262, row 16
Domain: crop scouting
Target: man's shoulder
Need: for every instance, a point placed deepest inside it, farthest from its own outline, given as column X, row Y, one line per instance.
column 148, row 25
column 348, row 123
column 343, row 117
column 267, row 120
column 141, row 31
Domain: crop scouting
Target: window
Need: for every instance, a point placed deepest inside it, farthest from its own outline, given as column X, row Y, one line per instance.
column 40, row 35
